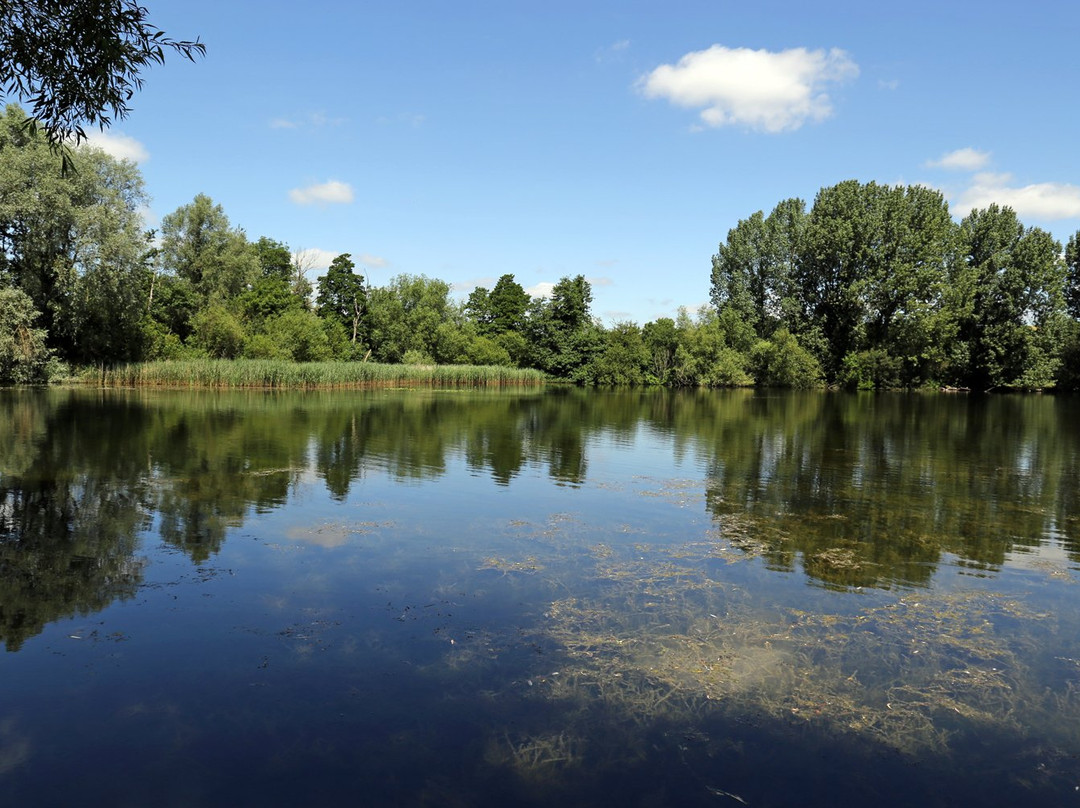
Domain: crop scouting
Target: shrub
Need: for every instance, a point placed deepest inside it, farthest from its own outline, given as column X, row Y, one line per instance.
column 871, row 370
column 783, row 362
column 24, row 356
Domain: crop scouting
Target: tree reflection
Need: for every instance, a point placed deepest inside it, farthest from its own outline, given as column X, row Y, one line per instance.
column 68, row 526
column 856, row 490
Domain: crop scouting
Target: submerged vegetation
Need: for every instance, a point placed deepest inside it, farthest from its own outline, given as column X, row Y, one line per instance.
column 664, row 586
column 648, row 638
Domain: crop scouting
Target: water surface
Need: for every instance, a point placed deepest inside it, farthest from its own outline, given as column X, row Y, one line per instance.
column 538, row 598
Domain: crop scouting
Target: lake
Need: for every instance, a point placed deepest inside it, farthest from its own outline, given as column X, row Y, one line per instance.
column 538, row 598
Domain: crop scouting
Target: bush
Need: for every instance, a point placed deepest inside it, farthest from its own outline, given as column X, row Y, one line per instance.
column 783, row 362
column 871, row 370
column 218, row 332
column 24, row 356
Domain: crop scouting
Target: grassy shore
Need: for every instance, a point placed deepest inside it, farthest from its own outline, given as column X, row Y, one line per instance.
column 275, row 374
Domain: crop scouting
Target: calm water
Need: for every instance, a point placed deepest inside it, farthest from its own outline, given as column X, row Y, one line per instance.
column 560, row 598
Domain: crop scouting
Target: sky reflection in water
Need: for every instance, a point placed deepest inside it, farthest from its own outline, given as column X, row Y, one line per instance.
column 537, row 598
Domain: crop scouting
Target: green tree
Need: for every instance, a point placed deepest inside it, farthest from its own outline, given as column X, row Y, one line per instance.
column 1012, row 282
column 704, row 357
column 218, row 332
column 269, row 296
column 73, row 243
column 23, row 353
column 508, row 303
column 79, row 61
column 342, row 295
column 562, row 336
column 622, row 359
column 1072, row 277
column 199, row 245
column 275, row 258
column 752, row 271
column 783, row 362
column 661, row 341
column 404, row 317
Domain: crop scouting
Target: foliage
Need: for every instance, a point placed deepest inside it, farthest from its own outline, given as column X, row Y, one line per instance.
column 661, row 341
column 199, row 245
column 73, row 243
column 1072, row 275
column 783, row 362
column 218, row 333
column 405, row 315
column 342, row 295
column 79, row 61
column 1013, row 285
column 275, row 259
column 269, row 296
column 23, row 353
column 753, row 271
column 870, row 370
column 622, row 358
column 703, row 357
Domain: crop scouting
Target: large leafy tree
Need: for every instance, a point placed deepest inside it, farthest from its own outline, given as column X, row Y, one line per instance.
column 501, row 310
column 563, row 336
column 73, row 243
column 404, row 317
column 752, row 271
column 1012, row 282
column 199, row 246
column 508, row 303
column 79, row 62
column 343, row 296
column 1072, row 276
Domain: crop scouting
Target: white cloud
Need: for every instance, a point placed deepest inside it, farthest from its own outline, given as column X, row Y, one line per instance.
column 373, row 261
column 542, row 289
column 327, row 193
column 600, row 281
column 611, row 51
column 890, row 84
column 118, row 145
column 312, row 120
column 763, row 90
column 966, row 159
column 314, row 258
column 1043, row 200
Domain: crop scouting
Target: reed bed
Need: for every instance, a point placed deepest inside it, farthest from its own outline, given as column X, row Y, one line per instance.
column 275, row 374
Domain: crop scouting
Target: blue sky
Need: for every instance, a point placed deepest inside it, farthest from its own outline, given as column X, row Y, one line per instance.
column 618, row 140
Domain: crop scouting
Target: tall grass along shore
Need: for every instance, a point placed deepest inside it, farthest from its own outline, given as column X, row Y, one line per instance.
column 272, row 374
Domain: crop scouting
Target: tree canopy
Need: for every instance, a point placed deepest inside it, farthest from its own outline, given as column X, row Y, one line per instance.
column 79, row 62
column 873, row 286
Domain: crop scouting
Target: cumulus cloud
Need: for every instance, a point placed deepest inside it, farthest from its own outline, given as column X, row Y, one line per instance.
column 542, row 289
column 966, row 159
column 314, row 258
column 332, row 192
column 763, row 90
column 1043, row 200
column 118, row 145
